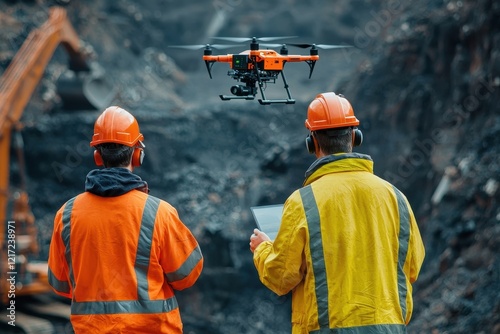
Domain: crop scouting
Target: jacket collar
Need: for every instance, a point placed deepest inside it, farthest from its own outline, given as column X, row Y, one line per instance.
column 339, row 162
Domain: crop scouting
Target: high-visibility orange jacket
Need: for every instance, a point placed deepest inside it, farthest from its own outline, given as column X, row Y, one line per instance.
column 119, row 254
column 348, row 248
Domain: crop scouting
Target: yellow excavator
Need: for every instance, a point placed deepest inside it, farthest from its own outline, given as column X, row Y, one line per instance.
column 84, row 89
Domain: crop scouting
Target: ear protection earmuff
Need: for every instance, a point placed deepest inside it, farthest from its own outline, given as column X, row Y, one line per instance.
column 311, row 143
column 357, row 137
column 98, row 158
column 137, row 157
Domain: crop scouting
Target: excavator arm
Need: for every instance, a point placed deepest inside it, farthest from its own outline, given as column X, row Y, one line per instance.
column 22, row 77
column 17, row 85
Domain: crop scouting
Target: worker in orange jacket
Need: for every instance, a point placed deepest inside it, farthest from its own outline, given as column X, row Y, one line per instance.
column 116, row 251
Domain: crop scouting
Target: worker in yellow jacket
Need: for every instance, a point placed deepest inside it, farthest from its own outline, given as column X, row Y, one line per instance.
column 348, row 246
column 116, row 251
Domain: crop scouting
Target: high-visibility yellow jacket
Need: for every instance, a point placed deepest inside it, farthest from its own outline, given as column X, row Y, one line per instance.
column 120, row 256
column 348, row 248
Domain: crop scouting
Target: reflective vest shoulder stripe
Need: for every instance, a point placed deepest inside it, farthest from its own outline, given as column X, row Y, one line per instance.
column 404, row 238
column 186, row 267
column 65, row 234
column 143, row 254
column 318, row 260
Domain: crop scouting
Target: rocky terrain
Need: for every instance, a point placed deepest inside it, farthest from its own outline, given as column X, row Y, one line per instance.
column 423, row 78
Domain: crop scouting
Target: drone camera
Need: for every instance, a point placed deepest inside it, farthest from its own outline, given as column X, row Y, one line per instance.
column 240, row 62
column 240, row 90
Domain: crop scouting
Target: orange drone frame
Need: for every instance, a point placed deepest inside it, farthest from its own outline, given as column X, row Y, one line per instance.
column 258, row 67
column 267, row 60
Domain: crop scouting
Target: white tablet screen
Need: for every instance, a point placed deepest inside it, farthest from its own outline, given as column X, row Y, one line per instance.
column 268, row 218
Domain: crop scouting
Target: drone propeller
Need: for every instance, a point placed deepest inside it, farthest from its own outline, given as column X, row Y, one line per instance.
column 319, row 46
column 269, row 45
column 248, row 39
column 204, row 46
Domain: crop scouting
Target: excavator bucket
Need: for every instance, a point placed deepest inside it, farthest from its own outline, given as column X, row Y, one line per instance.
column 85, row 90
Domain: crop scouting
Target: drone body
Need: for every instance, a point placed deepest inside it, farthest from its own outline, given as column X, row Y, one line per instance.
column 255, row 68
column 265, row 60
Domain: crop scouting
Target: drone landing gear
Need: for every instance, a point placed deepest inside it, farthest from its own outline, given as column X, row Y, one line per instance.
column 286, row 101
column 228, row 97
column 265, row 101
column 261, row 101
column 249, row 91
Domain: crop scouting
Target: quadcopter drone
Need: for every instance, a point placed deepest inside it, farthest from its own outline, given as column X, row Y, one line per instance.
column 255, row 68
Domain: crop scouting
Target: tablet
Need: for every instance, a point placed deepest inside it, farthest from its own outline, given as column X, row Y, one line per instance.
column 268, row 218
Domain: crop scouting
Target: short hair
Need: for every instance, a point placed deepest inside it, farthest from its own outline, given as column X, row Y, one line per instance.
column 332, row 141
column 115, row 155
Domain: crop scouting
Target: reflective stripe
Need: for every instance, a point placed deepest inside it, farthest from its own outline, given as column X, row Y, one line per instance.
column 317, row 255
column 404, row 237
column 187, row 267
column 370, row 329
column 143, row 254
column 65, row 234
column 61, row 286
column 124, row 306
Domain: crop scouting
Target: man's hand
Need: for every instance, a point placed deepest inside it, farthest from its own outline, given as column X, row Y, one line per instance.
column 256, row 238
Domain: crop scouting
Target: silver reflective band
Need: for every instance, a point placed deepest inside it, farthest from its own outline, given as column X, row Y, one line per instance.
column 65, row 234
column 61, row 286
column 404, row 237
column 318, row 260
column 142, row 257
column 186, row 268
column 124, row 306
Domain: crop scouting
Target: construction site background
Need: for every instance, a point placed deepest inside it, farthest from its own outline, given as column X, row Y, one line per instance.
column 423, row 78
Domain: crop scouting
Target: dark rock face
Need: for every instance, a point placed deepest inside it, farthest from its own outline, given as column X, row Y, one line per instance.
column 430, row 102
column 423, row 79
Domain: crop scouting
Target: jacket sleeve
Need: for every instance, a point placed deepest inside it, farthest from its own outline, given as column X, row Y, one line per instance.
column 416, row 250
column 58, row 271
column 181, row 258
column 280, row 262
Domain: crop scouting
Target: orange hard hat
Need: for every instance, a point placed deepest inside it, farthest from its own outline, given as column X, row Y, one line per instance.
column 116, row 125
column 328, row 111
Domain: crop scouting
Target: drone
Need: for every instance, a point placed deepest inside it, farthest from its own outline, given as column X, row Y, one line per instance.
column 255, row 68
